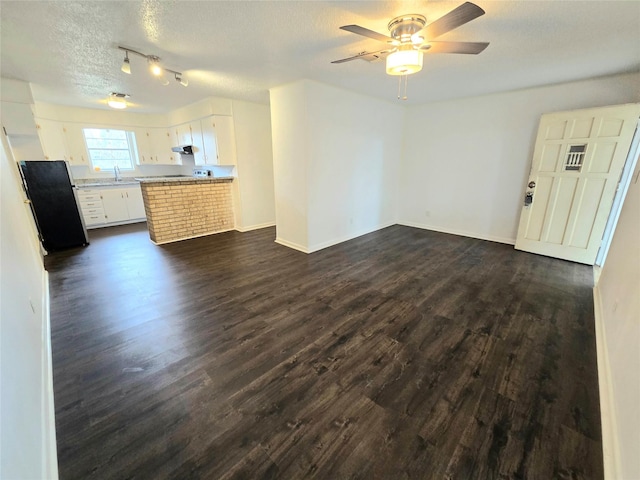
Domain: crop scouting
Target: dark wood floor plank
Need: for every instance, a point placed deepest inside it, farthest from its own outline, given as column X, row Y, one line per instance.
column 402, row 354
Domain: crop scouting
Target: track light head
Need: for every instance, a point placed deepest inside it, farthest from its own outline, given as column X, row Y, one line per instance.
column 180, row 79
column 126, row 66
column 154, row 65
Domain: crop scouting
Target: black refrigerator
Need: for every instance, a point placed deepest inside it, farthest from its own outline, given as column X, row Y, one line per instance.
column 54, row 204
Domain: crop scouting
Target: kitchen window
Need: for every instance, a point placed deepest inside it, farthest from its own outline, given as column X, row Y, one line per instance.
column 110, row 148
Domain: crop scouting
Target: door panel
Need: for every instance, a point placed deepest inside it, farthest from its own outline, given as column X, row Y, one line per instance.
column 601, row 157
column 549, row 157
column 558, row 215
column 555, row 130
column 589, row 199
column 581, row 128
column 611, row 127
column 577, row 162
column 536, row 219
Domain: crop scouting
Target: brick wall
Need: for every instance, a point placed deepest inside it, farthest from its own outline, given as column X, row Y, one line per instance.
column 177, row 210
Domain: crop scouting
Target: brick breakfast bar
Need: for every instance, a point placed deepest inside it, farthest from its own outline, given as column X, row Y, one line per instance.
column 179, row 208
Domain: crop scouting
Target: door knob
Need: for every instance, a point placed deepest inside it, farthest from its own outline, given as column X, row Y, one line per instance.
column 532, row 184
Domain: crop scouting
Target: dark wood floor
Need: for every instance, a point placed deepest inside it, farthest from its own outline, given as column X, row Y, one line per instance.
column 401, row 354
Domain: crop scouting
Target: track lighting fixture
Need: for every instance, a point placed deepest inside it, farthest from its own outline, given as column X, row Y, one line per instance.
column 182, row 81
column 126, row 66
column 117, row 100
column 155, row 67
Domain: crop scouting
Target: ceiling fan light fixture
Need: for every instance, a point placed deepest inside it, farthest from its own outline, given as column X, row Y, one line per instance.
column 117, row 100
column 404, row 62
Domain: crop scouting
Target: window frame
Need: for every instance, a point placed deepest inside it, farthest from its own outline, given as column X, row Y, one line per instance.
column 131, row 149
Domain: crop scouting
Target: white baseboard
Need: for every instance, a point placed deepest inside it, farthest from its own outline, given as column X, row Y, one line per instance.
column 491, row 238
column 49, row 447
column 329, row 243
column 346, row 238
column 610, row 447
column 295, row 246
column 255, row 227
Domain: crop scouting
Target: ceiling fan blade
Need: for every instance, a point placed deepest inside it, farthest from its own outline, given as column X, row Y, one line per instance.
column 357, row 29
column 369, row 56
column 456, row 17
column 472, row 48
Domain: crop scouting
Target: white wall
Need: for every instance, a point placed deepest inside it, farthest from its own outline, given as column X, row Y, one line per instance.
column 619, row 301
column 27, row 432
column 466, row 161
column 256, row 200
column 289, row 127
column 337, row 154
column 356, row 147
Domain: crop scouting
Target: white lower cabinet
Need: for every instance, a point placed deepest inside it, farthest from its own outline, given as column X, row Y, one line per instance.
column 115, row 205
column 111, row 205
column 135, row 203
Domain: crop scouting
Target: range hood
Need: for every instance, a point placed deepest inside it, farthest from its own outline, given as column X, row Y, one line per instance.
column 183, row 149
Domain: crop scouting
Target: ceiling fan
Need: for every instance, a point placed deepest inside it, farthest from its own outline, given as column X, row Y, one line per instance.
column 409, row 38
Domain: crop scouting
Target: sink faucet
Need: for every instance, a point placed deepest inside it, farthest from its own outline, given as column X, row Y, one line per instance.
column 116, row 171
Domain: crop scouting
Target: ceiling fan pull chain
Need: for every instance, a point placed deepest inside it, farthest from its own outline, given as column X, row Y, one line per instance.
column 406, row 80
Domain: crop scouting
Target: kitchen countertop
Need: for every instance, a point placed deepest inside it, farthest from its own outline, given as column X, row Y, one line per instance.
column 98, row 182
column 92, row 182
column 188, row 180
column 108, row 182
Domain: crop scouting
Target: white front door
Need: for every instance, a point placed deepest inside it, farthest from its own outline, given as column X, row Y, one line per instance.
column 577, row 162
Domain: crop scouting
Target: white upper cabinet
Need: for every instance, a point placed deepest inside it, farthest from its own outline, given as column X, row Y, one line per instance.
column 225, row 139
column 199, row 153
column 209, row 145
column 218, row 140
column 52, row 139
column 154, row 146
column 160, row 144
column 183, row 134
column 142, row 146
column 17, row 119
column 62, row 142
column 76, row 148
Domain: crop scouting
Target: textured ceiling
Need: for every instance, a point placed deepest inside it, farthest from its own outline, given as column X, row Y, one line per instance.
column 239, row 49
